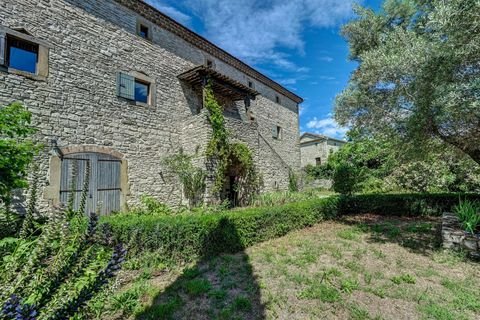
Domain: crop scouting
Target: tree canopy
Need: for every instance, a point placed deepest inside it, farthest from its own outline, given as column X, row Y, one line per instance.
column 418, row 74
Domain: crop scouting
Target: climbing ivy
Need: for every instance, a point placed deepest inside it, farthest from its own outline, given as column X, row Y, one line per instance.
column 222, row 152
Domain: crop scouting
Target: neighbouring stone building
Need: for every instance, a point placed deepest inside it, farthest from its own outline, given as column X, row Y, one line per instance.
column 118, row 84
column 315, row 148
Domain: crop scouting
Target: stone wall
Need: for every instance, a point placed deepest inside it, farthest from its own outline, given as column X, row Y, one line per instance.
column 90, row 42
column 454, row 237
column 310, row 150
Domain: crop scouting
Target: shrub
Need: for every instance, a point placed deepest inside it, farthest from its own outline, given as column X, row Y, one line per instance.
column 188, row 236
column 151, row 206
column 192, row 178
column 468, row 212
column 345, row 178
column 292, row 181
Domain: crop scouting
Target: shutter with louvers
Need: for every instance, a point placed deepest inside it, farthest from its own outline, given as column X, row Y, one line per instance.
column 125, row 86
column 2, row 49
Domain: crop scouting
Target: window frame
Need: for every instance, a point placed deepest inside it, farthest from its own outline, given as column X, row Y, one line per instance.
column 42, row 64
column 145, row 24
column 279, row 132
column 142, row 78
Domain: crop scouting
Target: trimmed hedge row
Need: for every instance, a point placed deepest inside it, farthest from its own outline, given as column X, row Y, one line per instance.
column 186, row 237
column 414, row 204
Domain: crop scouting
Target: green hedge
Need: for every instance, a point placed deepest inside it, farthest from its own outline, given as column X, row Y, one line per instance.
column 188, row 236
column 414, row 204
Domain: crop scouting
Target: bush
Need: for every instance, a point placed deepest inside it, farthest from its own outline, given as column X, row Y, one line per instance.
column 151, row 206
column 292, row 181
column 345, row 178
column 187, row 236
column 415, row 204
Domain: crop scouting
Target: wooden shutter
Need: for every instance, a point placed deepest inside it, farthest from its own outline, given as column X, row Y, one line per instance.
column 125, row 86
column 2, row 49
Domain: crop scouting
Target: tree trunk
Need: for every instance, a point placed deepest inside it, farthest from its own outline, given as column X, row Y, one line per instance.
column 467, row 146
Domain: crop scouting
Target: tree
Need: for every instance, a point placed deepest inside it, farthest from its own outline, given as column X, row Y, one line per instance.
column 418, row 76
column 16, row 149
column 382, row 164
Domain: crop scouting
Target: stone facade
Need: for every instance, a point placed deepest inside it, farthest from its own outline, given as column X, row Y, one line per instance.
column 315, row 147
column 77, row 104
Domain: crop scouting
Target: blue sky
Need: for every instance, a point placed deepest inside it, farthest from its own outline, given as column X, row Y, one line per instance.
column 296, row 43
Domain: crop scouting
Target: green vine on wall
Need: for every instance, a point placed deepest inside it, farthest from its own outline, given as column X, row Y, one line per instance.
column 223, row 152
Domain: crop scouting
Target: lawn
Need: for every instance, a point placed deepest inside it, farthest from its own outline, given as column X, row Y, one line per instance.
column 359, row 267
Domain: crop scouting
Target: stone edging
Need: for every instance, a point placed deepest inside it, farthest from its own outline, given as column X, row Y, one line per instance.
column 454, row 237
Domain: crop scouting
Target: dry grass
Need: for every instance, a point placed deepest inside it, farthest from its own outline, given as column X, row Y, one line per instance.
column 362, row 267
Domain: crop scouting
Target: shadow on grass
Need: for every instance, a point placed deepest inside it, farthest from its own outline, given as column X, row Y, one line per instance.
column 217, row 287
column 420, row 235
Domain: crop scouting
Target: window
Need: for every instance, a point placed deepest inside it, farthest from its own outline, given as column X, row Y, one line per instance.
column 144, row 29
column 23, row 54
column 318, row 161
column 136, row 87
column 250, row 84
column 209, row 63
column 277, row 132
column 277, row 99
column 144, row 32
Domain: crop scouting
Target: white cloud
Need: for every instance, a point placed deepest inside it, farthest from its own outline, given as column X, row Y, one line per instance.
column 255, row 30
column 326, row 78
column 326, row 58
column 327, row 126
column 171, row 12
column 301, row 110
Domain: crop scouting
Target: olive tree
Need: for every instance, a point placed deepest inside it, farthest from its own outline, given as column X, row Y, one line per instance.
column 418, row 74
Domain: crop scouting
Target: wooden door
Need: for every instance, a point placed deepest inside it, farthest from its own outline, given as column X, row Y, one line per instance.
column 104, row 190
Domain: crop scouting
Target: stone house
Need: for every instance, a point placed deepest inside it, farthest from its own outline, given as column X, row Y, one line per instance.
column 117, row 85
column 315, row 148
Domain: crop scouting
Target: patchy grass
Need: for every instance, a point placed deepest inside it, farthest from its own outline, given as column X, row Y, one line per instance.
column 362, row 267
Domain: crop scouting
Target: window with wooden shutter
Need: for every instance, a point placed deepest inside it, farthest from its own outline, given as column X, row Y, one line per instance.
column 125, row 86
column 277, row 132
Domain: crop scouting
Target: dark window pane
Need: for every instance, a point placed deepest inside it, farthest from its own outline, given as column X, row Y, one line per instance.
column 141, row 91
column 22, row 55
column 144, row 32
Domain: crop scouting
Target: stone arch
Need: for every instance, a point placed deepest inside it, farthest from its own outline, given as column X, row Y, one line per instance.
column 85, row 148
column 52, row 191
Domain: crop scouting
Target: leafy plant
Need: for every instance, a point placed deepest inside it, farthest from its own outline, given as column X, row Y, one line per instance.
column 54, row 274
column 292, row 181
column 16, row 149
column 404, row 278
column 468, row 212
column 345, row 178
column 191, row 177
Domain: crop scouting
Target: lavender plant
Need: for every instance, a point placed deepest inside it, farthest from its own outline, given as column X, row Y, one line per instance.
column 53, row 275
